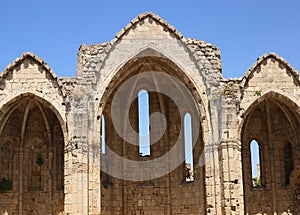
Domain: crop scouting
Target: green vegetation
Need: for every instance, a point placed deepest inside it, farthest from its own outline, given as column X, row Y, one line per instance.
column 256, row 182
column 39, row 161
column 5, row 185
column 258, row 92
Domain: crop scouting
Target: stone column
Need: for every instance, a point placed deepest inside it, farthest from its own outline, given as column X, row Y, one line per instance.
column 231, row 176
column 212, row 181
column 230, row 155
column 94, row 153
column 76, row 158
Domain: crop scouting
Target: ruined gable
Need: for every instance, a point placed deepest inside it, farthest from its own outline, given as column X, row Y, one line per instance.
column 270, row 73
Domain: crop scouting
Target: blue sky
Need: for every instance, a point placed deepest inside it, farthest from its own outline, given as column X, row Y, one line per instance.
column 243, row 30
column 255, row 158
column 144, row 120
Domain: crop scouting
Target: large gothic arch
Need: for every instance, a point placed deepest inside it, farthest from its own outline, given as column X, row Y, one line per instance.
column 32, row 156
column 137, row 193
column 272, row 121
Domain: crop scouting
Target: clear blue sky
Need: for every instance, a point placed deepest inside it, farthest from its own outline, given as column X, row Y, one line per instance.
column 243, row 30
column 255, row 157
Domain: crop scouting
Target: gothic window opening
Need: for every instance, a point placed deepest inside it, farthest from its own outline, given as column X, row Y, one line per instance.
column 143, row 115
column 59, row 156
column 103, row 134
column 255, row 164
column 6, row 157
column 288, row 162
column 188, row 148
column 35, row 170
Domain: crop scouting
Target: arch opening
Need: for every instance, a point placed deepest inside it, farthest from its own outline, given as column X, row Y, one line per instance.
column 34, row 163
column 269, row 141
column 165, row 126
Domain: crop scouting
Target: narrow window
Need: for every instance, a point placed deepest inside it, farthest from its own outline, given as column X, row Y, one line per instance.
column 288, row 162
column 143, row 109
column 103, row 134
column 255, row 163
column 188, row 148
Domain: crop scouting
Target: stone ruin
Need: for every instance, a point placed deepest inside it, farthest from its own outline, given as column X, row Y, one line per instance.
column 51, row 132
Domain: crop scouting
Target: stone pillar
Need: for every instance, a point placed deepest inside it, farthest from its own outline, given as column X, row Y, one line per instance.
column 50, row 178
column 76, row 159
column 94, row 153
column 212, row 181
column 20, row 180
column 231, row 177
column 230, row 154
column 212, row 136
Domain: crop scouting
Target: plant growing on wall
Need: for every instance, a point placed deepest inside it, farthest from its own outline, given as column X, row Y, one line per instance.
column 39, row 161
column 256, row 182
column 258, row 92
column 105, row 184
column 227, row 91
column 5, row 185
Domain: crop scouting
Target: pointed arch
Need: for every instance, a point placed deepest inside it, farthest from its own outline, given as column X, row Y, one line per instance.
column 284, row 102
column 273, row 121
column 37, row 154
column 146, row 61
column 158, row 59
column 112, row 71
column 9, row 106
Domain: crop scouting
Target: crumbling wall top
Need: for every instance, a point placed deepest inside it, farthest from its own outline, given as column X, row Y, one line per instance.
column 261, row 59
